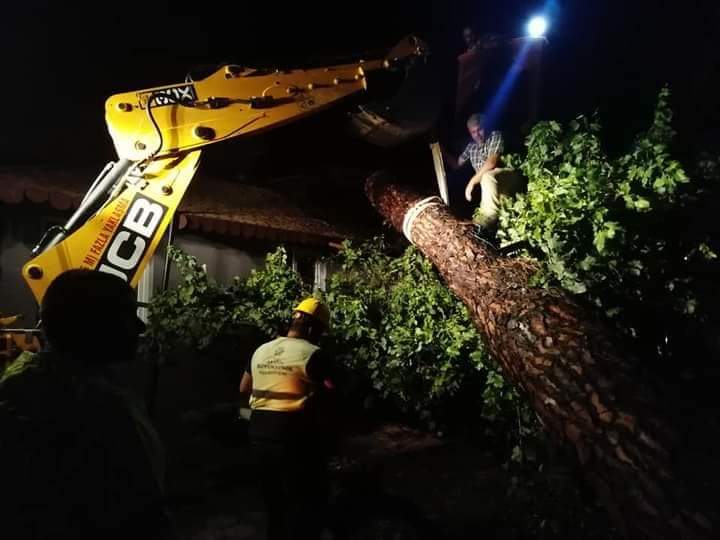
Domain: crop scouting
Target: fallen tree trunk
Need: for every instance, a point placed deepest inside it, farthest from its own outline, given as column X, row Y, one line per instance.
column 580, row 384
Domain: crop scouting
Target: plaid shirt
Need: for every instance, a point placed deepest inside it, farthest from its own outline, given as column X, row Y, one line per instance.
column 478, row 153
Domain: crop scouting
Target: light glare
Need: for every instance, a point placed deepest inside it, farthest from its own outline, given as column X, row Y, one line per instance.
column 537, row 27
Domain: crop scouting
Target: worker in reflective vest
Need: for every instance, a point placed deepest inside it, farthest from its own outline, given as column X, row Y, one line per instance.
column 285, row 377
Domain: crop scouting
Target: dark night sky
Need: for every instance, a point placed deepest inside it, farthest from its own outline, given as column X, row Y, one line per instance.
column 59, row 65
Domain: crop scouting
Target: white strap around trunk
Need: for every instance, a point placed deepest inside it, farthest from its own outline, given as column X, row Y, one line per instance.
column 415, row 210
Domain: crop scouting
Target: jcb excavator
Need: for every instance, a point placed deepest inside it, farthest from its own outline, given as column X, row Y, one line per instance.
column 159, row 134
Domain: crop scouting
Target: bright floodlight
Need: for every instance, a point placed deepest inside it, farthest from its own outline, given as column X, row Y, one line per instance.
column 537, row 27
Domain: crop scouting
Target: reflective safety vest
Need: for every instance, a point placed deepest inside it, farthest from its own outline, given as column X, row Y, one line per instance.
column 279, row 375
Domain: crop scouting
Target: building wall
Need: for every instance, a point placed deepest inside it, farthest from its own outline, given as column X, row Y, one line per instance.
column 15, row 296
column 223, row 261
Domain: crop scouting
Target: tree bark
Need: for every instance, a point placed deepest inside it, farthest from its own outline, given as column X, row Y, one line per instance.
column 582, row 386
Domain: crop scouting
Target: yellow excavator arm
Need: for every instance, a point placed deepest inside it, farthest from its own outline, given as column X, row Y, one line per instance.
column 158, row 134
column 231, row 102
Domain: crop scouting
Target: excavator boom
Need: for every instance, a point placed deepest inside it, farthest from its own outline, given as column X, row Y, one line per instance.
column 231, row 102
column 158, row 134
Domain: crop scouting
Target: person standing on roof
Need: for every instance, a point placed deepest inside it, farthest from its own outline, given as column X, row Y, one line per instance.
column 285, row 379
column 484, row 152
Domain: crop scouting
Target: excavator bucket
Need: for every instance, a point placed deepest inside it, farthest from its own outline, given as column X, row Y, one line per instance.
column 413, row 110
column 433, row 83
column 7, row 321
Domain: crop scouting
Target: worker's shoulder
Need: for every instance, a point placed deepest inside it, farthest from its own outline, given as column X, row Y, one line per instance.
column 303, row 344
column 286, row 344
column 268, row 345
column 268, row 348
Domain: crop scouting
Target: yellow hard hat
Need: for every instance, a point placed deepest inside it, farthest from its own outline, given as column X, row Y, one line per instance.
column 315, row 308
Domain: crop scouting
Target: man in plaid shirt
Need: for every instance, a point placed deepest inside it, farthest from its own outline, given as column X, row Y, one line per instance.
column 484, row 155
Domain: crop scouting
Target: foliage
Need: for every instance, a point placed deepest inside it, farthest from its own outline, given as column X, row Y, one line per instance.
column 267, row 296
column 26, row 361
column 395, row 320
column 199, row 310
column 184, row 315
column 613, row 230
column 394, row 324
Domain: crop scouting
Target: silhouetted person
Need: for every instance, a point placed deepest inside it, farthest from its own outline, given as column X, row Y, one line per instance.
column 470, row 38
column 78, row 457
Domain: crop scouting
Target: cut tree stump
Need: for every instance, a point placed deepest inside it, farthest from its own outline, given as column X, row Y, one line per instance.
column 583, row 387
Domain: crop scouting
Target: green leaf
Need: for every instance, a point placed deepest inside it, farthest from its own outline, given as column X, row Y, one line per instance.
column 707, row 252
column 642, row 203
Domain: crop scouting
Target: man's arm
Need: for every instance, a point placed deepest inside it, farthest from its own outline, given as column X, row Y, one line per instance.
column 246, row 383
column 495, row 148
column 246, row 380
column 450, row 160
column 321, row 370
column 453, row 162
column 490, row 163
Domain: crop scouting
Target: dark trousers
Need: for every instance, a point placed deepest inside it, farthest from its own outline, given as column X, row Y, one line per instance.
column 295, row 488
